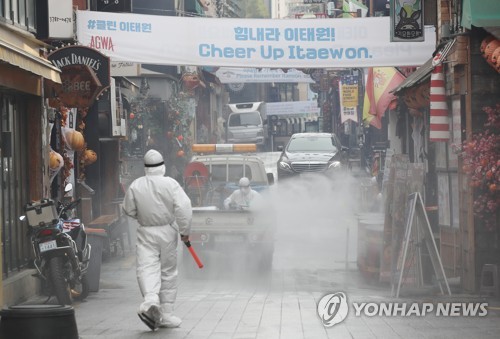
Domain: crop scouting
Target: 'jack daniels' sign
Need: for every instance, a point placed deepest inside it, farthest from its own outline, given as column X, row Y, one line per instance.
column 82, row 55
column 85, row 74
column 407, row 20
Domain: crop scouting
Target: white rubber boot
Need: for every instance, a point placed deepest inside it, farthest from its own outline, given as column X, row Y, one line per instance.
column 168, row 318
column 150, row 315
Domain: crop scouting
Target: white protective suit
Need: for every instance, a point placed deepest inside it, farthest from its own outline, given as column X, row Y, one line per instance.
column 244, row 197
column 162, row 209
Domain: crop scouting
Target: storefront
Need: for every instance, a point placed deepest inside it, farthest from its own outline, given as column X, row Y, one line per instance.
column 287, row 118
column 469, row 82
column 23, row 80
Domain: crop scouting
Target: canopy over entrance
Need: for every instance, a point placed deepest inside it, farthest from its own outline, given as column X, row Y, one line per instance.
column 484, row 13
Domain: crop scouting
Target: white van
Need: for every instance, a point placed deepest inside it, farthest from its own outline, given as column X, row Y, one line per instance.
column 246, row 124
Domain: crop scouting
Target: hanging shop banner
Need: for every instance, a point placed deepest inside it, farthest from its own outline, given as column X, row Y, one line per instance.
column 306, row 108
column 273, row 43
column 348, row 92
column 81, row 55
column 407, row 20
column 229, row 75
column 85, row 73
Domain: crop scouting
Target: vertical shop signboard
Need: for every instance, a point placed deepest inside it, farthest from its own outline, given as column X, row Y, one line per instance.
column 348, row 92
column 85, row 72
column 407, row 20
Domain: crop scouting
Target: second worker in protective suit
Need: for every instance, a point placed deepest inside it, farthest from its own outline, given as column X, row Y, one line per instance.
column 244, row 197
column 163, row 211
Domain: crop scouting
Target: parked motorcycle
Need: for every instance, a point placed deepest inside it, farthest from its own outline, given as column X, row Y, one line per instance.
column 61, row 249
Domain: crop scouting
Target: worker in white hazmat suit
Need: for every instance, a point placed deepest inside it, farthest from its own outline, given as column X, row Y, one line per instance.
column 163, row 210
column 244, row 197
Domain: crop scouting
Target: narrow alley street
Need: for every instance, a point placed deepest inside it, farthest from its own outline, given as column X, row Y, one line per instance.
column 283, row 304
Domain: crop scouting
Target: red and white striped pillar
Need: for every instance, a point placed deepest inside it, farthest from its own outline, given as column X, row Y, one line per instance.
column 439, row 122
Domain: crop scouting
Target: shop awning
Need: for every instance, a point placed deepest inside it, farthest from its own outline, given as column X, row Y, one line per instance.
column 31, row 63
column 484, row 13
column 423, row 73
column 299, row 120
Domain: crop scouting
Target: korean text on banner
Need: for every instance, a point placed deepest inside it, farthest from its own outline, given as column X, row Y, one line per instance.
column 149, row 39
column 348, row 99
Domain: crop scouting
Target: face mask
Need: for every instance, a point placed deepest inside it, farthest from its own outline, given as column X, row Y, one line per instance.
column 245, row 190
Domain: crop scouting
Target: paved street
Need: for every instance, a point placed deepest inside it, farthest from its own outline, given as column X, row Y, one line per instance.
column 309, row 262
column 315, row 255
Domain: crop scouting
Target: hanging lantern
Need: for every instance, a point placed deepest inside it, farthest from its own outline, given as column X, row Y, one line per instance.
column 485, row 42
column 496, row 59
column 490, row 48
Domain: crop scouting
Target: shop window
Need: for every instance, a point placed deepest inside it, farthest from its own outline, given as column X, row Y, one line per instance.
column 447, row 176
column 30, row 14
column 287, row 92
column 234, row 173
column 282, row 128
column 13, row 174
column 311, row 126
column 5, row 9
column 19, row 12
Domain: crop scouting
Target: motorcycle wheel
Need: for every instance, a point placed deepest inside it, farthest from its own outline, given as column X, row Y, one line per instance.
column 60, row 286
column 81, row 290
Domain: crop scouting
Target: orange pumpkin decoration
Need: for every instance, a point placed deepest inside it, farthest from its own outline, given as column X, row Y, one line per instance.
column 89, row 157
column 485, row 42
column 74, row 140
column 490, row 48
column 56, row 160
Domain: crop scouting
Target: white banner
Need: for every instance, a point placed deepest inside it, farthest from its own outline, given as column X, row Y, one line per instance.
column 273, row 43
column 229, row 75
column 293, row 108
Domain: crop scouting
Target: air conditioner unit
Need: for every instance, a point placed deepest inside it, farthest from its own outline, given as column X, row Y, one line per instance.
column 445, row 30
column 118, row 122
